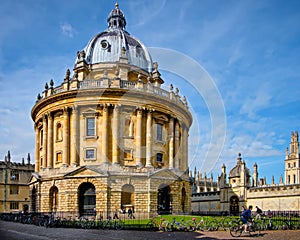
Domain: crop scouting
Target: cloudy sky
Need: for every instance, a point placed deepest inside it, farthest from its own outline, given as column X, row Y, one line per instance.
column 249, row 49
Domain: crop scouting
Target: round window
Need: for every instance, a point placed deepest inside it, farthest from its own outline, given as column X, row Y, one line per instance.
column 104, row 44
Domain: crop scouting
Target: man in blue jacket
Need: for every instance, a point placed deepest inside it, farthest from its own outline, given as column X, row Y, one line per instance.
column 245, row 217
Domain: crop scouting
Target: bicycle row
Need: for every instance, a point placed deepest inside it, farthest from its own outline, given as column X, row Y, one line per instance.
column 175, row 223
column 50, row 221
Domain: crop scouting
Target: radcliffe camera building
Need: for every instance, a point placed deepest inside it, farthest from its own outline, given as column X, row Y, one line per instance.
column 109, row 137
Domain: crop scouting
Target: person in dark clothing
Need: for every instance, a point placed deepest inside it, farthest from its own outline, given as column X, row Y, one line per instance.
column 245, row 217
column 258, row 213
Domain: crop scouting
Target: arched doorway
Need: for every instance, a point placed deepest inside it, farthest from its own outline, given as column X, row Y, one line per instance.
column 183, row 199
column 234, row 205
column 53, row 199
column 33, row 199
column 87, row 199
column 164, row 200
column 127, row 197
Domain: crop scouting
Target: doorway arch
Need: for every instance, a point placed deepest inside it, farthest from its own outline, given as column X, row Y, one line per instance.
column 164, row 199
column 87, row 199
column 33, row 199
column 234, row 205
column 127, row 197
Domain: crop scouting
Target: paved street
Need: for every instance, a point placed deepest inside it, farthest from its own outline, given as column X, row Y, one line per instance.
column 16, row 231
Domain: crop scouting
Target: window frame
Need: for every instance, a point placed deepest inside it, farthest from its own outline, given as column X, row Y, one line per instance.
column 14, row 189
column 89, row 127
column 14, row 205
column 86, row 158
column 161, row 157
column 159, row 132
column 56, row 157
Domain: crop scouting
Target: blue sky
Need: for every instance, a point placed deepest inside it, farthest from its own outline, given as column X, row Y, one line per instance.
column 251, row 50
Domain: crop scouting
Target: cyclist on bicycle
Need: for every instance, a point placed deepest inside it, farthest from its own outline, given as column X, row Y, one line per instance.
column 246, row 217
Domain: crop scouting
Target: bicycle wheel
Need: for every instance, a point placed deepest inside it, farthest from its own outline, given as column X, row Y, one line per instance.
column 213, row 225
column 236, row 231
column 151, row 226
column 254, row 230
column 225, row 223
column 167, row 226
column 118, row 225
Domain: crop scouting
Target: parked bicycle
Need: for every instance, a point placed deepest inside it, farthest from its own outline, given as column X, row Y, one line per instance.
column 177, row 226
column 113, row 224
column 153, row 225
column 205, row 224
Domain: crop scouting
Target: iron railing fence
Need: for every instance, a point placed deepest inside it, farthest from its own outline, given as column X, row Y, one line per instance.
column 141, row 220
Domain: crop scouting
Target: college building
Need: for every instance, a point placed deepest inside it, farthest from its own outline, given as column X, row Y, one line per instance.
column 14, row 190
column 243, row 189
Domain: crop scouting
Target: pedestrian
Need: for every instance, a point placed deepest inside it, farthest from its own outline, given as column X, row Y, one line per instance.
column 116, row 215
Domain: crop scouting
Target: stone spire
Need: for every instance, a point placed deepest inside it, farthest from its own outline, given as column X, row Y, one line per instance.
column 8, row 156
column 28, row 159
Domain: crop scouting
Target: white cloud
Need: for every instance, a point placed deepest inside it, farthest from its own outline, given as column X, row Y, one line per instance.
column 67, row 29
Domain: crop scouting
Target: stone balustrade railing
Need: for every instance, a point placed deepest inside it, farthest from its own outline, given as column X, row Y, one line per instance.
column 118, row 83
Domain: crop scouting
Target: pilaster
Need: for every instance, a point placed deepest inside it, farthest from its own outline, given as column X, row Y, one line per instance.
column 116, row 135
column 66, row 137
column 50, row 142
column 45, row 129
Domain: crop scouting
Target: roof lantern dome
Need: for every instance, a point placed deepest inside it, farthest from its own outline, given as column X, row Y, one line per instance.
column 116, row 19
column 109, row 46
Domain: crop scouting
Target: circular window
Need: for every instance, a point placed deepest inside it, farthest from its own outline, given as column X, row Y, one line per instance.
column 104, row 44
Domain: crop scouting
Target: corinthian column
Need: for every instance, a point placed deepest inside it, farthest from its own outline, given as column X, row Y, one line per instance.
column 74, row 138
column 104, row 135
column 171, row 143
column 149, row 139
column 37, row 149
column 138, row 143
column 184, row 148
column 66, row 137
column 177, row 144
column 45, row 129
column 116, row 135
column 50, row 141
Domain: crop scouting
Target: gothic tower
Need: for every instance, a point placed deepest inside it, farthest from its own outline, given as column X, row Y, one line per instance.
column 292, row 161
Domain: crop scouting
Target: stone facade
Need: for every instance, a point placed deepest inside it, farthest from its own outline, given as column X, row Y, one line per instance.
column 241, row 191
column 109, row 137
column 14, row 189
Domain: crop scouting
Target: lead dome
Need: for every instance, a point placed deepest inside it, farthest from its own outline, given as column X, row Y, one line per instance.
column 108, row 46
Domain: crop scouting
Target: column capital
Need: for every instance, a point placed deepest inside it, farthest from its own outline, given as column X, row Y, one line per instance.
column 65, row 110
column 105, row 108
column 117, row 107
column 139, row 110
column 50, row 115
column 150, row 110
column 75, row 108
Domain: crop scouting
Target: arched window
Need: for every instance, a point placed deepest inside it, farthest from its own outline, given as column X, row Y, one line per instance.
column 183, row 199
column 41, row 137
column 87, row 199
column 127, row 197
column 53, row 199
